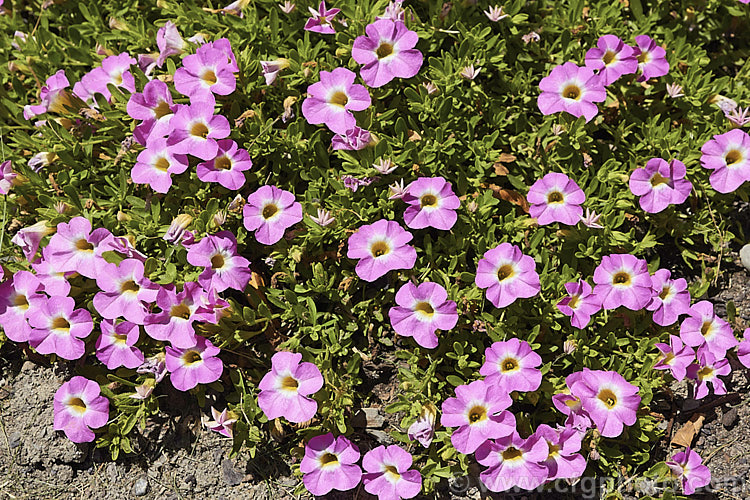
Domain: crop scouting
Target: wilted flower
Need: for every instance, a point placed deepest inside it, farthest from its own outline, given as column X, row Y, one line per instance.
column 531, row 37
column 423, row 429
column 169, row 41
column 288, row 113
column 222, row 422
column 384, row 166
column 495, row 13
column 393, row 11
column 397, row 190
column 7, row 175
column 143, row 391
column 569, row 346
column 591, row 219
column 354, row 139
column 177, row 228
column 430, row 87
column 674, row 90
column 41, row 160
column 353, row 183
column 469, row 72
column 725, row 104
column 271, row 69
column 739, row 116
column 324, row 218
column 28, row 238
column 287, row 7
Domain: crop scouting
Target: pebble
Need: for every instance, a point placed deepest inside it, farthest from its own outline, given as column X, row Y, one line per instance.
column 140, row 487
column 745, row 256
column 369, row 418
column 14, row 440
column 230, row 474
column 729, row 418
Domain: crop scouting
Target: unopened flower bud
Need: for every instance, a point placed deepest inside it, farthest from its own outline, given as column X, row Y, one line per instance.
column 569, row 346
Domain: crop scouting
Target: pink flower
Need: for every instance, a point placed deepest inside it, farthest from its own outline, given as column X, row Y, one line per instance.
column 227, row 167
column 704, row 327
column 676, row 357
column 562, row 461
column 221, row 422
column 393, row 11
column 388, row 475
column 196, row 130
column 381, row 247
column 423, row 310
column 507, row 274
column 423, row 429
column 224, row 267
column 556, row 198
column 269, row 212
column 478, row 412
column 671, row 298
column 205, row 72
column 29, row 238
column 80, row 407
column 591, row 219
column 115, row 347
column 330, row 463
column 432, row 204
column 16, row 296
column 225, row 47
column 652, row 59
column 53, row 96
column 608, row 398
column 570, row 405
column 195, row 365
column 57, row 328
column 7, row 175
column 354, row 139
column 623, row 280
column 660, row 184
column 581, row 304
column 178, row 313
column 513, row 461
column 573, row 89
column 169, row 41
column 743, row 349
column 156, row 164
column 155, row 107
column 387, row 52
column 332, row 100
column 75, row 247
column 512, row 366
column 271, row 69
column 115, row 70
column 53, row 282
column 688, row 468
column 728, row 155
column 285, row 389
column 320, row 22
column 125, row 292
column 612, row 58
column 707, row 371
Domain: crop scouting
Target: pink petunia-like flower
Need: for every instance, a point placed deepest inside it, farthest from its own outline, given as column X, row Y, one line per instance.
column 671, row 298
column 53, row 282
column 432, row 204
column 423, row 428
column 54, row 97
column 687, row 466
column 227, row 167
column 676, row 357
column 115, row 347
column 612, row 58
column 743, row 349
column 573, row 89
column 115, row 70
column 609, row 399
column 556, row 198
column 388, row 475
column 563, row 461
column 728, row 155
column 16, row 296
column 222, row 422
column 479, row 412
column 7, row 176
column 156, row 164
column 225, row 46
column 80, row 407
column 57, row 327
column 224, row 267
column 507, row 274
column 354, row 139
column 580, row 304
column 75, row 247
column 125, row 292
column 381, row 247
column 623, row 280
column 330, row 463
column 203, row 73
column 320, row 22
column 178, row 313
column 196, row 130
column 423, row 310
column 512, row 366
column 703, row 326
column 707, row 371
column 169, row 41
column 387, row 52
column 513, row 461
column 29, row 238
column 154, row 106
column 271, row 69
column 269, row 211
column 660, row 184
column 332, row 100
column 571, row 405
column 652, row 59
column 195, row 365
column 285, row 390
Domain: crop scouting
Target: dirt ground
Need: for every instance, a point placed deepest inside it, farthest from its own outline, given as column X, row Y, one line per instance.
column 177, row 458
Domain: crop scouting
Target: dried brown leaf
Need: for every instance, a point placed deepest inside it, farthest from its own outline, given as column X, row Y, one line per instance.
column 511, row 196
column 686, row 434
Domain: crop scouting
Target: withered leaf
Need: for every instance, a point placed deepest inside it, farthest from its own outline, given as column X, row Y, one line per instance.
column 511, row 196
column 686, row 434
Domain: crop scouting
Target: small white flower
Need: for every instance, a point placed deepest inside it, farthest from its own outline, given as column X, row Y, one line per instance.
column 674, row 90
column 384, row 166
column 397, row 190
column 469, row 72
column 324, row 218
column 591, row 219
column 495, row 13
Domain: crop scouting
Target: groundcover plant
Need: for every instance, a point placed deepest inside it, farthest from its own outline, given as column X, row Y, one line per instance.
column 519, row 209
